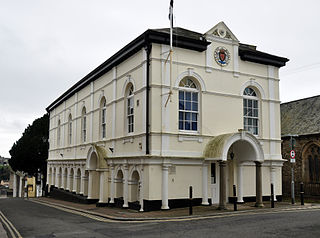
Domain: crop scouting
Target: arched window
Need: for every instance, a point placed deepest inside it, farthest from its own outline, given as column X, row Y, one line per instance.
column 70, row 129
column 103, row 119
column 59, row 133
column 188, row 105
column 84, row 124
column 250, row 111
column 312, row 164
column 130, row 108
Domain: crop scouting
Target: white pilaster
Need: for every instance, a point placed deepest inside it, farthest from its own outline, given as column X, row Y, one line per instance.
column 68, row 180
column 114, row 121
column 49, row 177
column 236, row 61
column 125, row 187
column 272, row 118
column 64, row 179
column 56, row 179
column 90, row 187
column 91, row 111
column 103, row 194
column 75, row 129
column 165, row 174
column 141, row 192
column 112, row 184
column 14, row 185
column 273, row 181
column 53, row 177
column 82, row 181
column 165, row 109
column 85, row 191
column 205, row 184
column 63, row 122
column 21, row 186
column 240, row 183
column 209, row 59
column 75, row 183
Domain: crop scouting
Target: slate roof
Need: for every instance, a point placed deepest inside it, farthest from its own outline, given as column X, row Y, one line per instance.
column 179, row 31
column 301, row 117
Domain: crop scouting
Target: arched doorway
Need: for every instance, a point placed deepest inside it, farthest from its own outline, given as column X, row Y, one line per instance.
column 227, row 154
column 119, row 184
column 78, row 181
column 93, row 180
column 135, row 187
column 241, row 152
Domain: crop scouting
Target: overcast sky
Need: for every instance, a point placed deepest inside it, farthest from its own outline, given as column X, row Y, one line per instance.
column 46, row 46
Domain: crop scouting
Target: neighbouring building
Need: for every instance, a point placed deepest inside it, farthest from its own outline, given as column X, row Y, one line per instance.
column 138, row 130
column 4, row 161
column 300, row 122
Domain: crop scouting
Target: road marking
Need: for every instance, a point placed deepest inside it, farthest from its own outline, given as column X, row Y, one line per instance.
column 13, row 231
column 69, row 210
column 219, row 215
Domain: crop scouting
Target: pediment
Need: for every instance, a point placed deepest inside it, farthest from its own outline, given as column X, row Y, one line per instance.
column 222, row 31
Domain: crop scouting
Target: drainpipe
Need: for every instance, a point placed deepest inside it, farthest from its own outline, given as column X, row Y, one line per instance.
column 148, row 49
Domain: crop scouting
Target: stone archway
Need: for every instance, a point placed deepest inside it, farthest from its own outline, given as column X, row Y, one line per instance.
column 77, row 181
column 98, row 174
column 231, row 151
column 135, row 187
column 93, row 180
column 119, row 184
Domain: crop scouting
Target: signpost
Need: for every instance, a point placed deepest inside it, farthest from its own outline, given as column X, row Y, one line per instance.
column 293, row 156
column 292, row 160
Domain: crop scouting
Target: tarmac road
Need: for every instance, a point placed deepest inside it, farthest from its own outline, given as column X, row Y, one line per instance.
column 40, row 221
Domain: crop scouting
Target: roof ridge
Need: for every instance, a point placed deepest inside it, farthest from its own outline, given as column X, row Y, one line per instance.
column 301, row 99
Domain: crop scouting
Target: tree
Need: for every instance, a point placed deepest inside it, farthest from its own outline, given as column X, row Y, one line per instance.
column 30, row 152
column 4, row 172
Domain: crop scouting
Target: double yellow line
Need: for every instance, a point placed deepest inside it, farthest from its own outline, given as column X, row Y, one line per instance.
column 13, row 231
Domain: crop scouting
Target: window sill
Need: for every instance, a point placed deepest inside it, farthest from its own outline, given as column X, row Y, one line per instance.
column 189, row 136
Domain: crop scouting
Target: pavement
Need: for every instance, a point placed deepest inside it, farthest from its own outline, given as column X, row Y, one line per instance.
column 3, row 233
column 121, row 214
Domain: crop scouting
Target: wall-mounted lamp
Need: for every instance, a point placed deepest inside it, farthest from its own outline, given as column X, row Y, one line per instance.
column 111, row 149
column 61, row 155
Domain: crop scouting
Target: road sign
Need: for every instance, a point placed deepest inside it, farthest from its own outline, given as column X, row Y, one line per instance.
column 293, row 156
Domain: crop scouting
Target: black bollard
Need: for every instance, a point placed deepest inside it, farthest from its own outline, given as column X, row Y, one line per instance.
column 301, row 194
column 190, row 200
column 235, row 208
column 272, row 196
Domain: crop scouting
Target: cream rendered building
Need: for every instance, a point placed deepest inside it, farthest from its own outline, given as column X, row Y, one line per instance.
column 134, row 132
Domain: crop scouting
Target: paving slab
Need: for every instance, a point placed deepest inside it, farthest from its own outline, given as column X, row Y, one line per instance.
column 176, row 213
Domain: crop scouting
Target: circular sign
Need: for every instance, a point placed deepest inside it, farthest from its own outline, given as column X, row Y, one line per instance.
column 222, row 56
column 292, row 154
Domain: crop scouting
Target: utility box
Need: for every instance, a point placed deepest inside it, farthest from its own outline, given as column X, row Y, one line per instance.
column 31, row 187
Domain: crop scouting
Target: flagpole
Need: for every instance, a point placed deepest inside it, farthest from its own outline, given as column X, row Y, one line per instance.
column 171, row 50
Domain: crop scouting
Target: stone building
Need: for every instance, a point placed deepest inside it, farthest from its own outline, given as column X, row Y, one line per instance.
column 300, row 120
column 140, row 129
